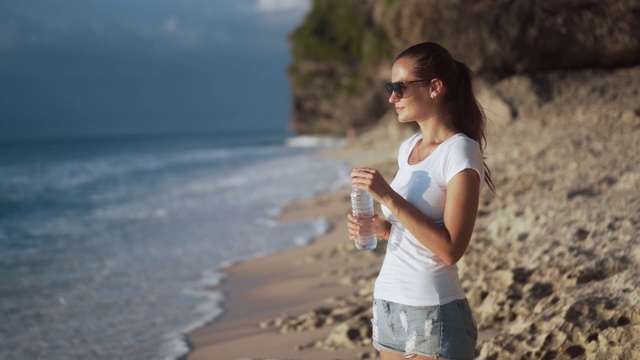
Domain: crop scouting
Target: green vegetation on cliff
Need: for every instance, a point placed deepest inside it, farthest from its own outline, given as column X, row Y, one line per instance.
column 338, row 31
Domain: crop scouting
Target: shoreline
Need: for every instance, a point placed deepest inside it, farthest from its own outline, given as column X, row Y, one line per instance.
column 330, row 273
column 262, row 289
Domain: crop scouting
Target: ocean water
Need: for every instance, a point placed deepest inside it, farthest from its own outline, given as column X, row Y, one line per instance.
column 110, row 247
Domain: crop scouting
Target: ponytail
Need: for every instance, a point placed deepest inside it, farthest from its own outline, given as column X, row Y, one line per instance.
column 466, row 113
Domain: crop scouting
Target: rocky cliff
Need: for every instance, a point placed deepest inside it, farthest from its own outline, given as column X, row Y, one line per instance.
column 339, row 52
column 344, row 48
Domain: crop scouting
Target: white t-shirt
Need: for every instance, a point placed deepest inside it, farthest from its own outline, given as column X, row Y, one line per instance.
column 411, row 274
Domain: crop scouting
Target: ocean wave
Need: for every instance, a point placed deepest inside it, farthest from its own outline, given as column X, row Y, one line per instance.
column 141, row 242
column 39, row 177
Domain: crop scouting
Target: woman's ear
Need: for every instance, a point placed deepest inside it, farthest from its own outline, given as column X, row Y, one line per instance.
column 435, row 87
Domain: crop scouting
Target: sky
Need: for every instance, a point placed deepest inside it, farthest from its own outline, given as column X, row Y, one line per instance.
column 72, row 68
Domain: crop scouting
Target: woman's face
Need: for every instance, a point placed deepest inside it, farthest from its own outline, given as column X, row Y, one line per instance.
column 416, row 103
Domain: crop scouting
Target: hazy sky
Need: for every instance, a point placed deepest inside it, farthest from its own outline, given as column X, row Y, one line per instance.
column 91, row 67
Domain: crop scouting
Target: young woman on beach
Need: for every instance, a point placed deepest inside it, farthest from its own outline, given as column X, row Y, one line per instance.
column 420, row 309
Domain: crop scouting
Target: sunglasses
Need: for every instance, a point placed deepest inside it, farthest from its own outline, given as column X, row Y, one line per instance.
column 396, row 87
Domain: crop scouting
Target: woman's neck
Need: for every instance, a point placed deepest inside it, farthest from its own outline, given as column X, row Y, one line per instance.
column 434, row 130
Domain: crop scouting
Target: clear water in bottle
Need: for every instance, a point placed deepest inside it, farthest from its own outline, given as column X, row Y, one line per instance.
column 362, row 208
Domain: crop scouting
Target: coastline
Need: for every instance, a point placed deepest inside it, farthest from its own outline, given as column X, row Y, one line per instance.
column 283, row 300
column 285, row 284
column 273, row 300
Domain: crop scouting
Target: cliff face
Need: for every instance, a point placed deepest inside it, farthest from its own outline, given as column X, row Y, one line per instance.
column 504, row 37
column 335, row 78
column 344, row 49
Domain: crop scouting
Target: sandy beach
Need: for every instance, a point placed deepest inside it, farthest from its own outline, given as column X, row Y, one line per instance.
column 552, row 268
column 265, row 294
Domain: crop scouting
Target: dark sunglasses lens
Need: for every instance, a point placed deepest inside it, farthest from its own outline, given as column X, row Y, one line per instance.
column 389, row 88
column 395, row 87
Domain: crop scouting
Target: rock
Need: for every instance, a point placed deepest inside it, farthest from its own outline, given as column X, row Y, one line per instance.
column 573, row 323
column 352, row 334
column 496, row 39
column 340, row 311
column 553, row 264
column 504, row 37
column 322, row 107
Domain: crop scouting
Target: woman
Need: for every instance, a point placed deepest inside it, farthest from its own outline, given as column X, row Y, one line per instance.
column 420, row 309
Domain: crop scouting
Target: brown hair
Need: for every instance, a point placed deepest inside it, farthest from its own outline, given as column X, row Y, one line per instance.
column 432, row 61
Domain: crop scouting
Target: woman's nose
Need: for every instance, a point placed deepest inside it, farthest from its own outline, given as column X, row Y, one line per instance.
column 394, row 98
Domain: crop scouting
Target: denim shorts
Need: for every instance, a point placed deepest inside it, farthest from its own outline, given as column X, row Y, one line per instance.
column 442, row 331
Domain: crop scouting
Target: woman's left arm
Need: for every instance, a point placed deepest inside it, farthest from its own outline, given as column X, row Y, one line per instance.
column 461, row 205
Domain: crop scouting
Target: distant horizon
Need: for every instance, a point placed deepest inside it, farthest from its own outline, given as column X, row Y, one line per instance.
column 203, row 133
column 73, row 69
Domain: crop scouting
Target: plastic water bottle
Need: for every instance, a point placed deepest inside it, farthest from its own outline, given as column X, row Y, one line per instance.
column 362, row 208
